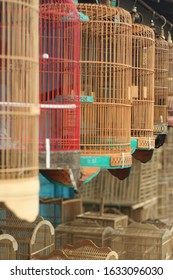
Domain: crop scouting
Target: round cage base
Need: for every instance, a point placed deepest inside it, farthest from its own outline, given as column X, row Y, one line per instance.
column 143, row 155
column 160, row 140
column 121, row 174
column 21, row 196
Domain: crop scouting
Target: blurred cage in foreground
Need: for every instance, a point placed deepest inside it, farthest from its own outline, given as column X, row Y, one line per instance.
column 19, row 106
column 32, row 238
column 8, row 247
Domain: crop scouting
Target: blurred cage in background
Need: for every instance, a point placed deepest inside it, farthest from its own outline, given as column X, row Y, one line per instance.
column 105, row 82
column 139, row 187
column 170, row 82
column 59, row 142
column 143, row 47
column 161, row 85
column 19, row 106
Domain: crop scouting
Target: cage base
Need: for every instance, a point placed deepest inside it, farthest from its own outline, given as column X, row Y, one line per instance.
column 61, row 162
column 143, row 155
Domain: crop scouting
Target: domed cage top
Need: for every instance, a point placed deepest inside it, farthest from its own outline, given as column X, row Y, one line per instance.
column 59, row 138
column 161, row 85
column 105, row 82
column 142, row 120
column 170, row 86
column 19, row 107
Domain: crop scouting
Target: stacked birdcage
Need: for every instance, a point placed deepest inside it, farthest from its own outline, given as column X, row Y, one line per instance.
column 59, row 89
column 170, row 82
column 161, row 85
column 78, row 230
column 143, row 46
column 19, row 108
column 105, row 84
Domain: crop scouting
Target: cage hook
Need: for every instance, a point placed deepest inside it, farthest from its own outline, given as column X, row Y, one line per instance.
column 164, row 22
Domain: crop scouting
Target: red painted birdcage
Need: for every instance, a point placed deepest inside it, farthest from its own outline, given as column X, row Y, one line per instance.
column 59, row 141
column 19, row 107
column 170, row 82
column 105, row 84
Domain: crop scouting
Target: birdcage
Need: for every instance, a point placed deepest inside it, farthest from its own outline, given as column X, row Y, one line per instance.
column 161, row 85
column 78, row 230
column 106, row 37
column 58, row 210
column 170, row 82
column 104, row 219
column 8, row 247
column 142, row 242
column 84, row 250
column 19, row 109
column 87, row 250
column 59, row 136
column 163, row 199
column 142, row 121
column 32, row 238
column 139, row 188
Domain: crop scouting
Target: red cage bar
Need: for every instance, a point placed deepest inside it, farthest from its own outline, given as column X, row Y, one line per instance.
column 59, row 136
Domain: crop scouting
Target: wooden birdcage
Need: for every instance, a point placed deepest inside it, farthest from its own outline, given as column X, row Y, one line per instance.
column 170, row 82
column 140, row 187
column 78, row 230
column 32, row 238
column 19, row 107
column 106, row 37
column 84, row 250
column 58, row 210
column 8, row 247
column 104, row 219
column 59, row 136
column 142, row 242
column 161, row 85
column 142, row 120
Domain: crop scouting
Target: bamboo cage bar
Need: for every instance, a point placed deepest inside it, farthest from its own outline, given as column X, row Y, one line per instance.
column 142, row 120
column 19, row 107
column 106, row 78
column 59, row 138
column 170, row 82
column 161, row 85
